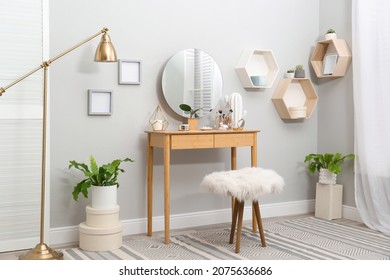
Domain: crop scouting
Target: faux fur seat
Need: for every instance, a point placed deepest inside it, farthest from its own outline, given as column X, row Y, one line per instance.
column 249, row 183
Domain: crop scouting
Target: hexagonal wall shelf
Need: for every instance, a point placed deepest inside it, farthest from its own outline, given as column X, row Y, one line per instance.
column 338, row 48
column 293, row 94
column 259, row 63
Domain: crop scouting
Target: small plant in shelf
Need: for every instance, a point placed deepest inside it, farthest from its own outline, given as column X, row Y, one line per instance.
column 299, row 71
column 330, row 30
column 290, row 73
column 330, row 34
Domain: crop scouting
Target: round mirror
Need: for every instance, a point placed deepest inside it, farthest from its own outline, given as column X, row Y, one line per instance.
column 192, row 77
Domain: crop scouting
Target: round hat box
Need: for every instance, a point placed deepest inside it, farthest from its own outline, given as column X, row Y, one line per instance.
column 102, row 217
column 100, row 239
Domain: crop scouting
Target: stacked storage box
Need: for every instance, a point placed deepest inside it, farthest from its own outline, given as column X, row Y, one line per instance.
column 102, row 230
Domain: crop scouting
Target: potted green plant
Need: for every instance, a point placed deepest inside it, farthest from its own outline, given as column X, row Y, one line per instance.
column 328, row 165
column 188, row 110
column 299, row 71
column 101, row 180
column 330, row 34
column 290, row 73
column 193, row 119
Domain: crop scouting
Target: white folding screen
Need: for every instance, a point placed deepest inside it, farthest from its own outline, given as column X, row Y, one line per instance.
column 22, row 29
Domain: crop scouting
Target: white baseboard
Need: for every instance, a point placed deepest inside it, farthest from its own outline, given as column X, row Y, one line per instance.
column 351, row 213
column 69, row 235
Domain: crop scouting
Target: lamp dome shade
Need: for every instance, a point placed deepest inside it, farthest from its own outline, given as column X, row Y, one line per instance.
column 105, row 51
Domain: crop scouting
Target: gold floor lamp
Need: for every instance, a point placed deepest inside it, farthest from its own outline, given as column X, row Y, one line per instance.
column 105, row 52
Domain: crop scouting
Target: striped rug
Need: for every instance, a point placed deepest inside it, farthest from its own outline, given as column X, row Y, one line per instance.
column 300, row 238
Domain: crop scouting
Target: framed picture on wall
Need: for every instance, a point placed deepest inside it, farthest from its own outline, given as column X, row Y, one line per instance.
column 99, row 102
column 129, row 72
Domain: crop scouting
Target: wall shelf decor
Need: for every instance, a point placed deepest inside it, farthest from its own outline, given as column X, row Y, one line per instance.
column 257, row 68
column 295, row 98
column 331, row 58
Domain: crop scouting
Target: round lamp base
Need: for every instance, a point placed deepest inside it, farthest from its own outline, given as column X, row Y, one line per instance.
column 42, row 252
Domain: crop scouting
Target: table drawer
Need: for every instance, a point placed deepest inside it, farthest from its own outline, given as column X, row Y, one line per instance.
column 234, row 140
column 192, row 141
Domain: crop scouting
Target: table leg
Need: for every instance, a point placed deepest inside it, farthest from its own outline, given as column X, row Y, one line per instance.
column 233, row 166
column 150, row 187
column 167, row 155
column 254, row 164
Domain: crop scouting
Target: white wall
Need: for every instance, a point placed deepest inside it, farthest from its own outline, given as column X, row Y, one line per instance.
column 153, row 31
column 335, row 109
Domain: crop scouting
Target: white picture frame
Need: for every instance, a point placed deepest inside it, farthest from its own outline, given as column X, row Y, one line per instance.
column 330, row 61
column 129, row 72
column 99, row 102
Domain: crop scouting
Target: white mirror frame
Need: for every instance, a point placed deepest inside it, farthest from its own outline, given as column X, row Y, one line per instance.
column 179, row 84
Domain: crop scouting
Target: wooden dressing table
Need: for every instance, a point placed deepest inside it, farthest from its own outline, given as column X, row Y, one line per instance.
column 188, row 140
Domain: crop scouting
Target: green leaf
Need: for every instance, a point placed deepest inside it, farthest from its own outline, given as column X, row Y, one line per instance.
column 94, row 167
column 312, row 167
column 335, row 168
column 80, row 166
column 81, row 187
column 186, row 108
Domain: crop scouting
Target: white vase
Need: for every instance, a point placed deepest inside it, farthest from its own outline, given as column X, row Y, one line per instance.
column 326, row 177
column 236, row 106
column 103, row 197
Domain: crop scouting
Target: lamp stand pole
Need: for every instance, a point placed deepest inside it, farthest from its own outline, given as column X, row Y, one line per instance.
column 104, row 53
column 41, row 250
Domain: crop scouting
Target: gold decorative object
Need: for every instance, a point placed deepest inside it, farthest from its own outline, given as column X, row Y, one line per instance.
column 158, row 121
column 104, row 53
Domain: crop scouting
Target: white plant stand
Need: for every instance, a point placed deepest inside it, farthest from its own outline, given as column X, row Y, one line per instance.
column 328, row 201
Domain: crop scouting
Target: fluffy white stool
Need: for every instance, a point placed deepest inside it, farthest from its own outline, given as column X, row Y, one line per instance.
column 249, row 183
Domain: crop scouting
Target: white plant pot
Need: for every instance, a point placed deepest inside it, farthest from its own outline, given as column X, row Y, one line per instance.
column 104, row 197
column 330, row 36
column 326, row 177
column 290, row 75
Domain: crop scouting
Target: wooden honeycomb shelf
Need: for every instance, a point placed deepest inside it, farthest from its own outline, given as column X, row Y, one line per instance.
column 332, row 46
column 293, row 93
column 257, row 62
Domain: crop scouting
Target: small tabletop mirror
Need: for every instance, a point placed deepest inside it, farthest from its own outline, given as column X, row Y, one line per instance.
column 192, row 77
